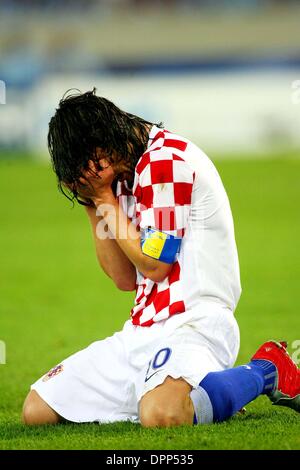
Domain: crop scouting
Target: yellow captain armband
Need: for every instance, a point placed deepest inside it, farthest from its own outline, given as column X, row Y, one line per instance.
column 160, row 245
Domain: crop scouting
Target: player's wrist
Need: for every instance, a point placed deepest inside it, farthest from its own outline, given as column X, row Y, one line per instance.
column 90, row 210
column 105, row 197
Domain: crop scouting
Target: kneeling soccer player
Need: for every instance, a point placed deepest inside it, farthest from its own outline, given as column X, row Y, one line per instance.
column 162, row 225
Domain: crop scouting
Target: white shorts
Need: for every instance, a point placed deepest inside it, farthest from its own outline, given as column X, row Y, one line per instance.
column 105, row 382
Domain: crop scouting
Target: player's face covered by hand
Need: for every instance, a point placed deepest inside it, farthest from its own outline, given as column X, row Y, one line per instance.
column 95, row 179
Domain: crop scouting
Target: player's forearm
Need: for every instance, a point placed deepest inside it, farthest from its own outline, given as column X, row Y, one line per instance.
column 111, row 258
column 128, row 239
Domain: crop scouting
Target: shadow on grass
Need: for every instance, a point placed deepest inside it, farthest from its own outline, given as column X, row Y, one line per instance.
column 14, row 430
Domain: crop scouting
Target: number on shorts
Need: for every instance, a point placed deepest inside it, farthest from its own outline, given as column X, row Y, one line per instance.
column 161, row 357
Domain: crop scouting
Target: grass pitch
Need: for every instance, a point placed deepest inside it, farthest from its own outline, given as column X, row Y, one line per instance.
column 54, row 300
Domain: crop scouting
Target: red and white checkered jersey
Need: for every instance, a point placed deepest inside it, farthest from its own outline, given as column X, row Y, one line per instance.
column 177, row 190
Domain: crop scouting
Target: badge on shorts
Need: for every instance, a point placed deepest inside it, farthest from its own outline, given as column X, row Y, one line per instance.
column 53, row 372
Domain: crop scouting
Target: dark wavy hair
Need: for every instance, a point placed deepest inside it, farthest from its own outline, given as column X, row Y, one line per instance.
column 83, row 122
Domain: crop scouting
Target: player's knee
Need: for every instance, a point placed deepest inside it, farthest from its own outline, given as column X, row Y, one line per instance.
column 167, row 405
column 159, row 414
column 36, row 411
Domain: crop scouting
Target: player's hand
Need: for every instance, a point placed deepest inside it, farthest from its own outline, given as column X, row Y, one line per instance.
column 95, row 182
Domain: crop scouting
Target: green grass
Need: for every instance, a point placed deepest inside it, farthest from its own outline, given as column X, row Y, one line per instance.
column 54, row 300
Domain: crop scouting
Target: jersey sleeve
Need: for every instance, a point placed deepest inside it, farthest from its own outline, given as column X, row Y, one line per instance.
column 163, row 196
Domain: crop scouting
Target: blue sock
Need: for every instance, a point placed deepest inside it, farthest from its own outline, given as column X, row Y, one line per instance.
column 221, row 394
